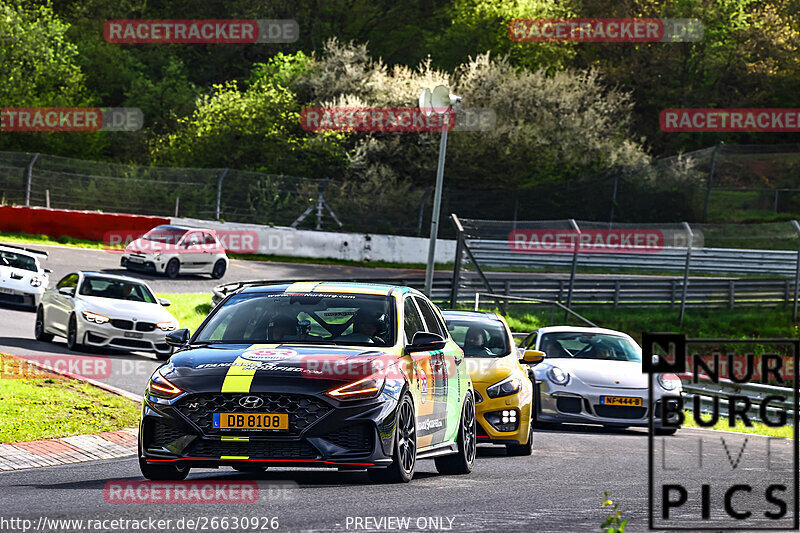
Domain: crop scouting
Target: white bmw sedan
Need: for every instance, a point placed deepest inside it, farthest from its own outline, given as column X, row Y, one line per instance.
column 94, row 309
column 594, row 375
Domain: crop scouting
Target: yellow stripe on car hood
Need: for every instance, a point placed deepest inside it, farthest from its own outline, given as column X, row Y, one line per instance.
column 240, row 374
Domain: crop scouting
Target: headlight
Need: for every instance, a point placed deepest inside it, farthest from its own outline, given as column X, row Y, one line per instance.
column 558, row 376
column 36, row 281
column 167, row 326
column 507, row 387
column 94, row 317
column 358, row 390
column 161, row 386
column 668, row 381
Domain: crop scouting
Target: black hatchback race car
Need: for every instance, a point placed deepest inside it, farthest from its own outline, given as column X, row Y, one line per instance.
column 345, row 375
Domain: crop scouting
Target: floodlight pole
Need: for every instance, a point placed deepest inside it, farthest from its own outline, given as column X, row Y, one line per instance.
column 437, row 204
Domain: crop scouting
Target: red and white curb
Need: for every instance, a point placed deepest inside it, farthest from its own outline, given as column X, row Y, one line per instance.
column 107, row 445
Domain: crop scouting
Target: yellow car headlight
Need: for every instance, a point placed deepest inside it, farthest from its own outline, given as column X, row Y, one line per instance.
column 507, row 387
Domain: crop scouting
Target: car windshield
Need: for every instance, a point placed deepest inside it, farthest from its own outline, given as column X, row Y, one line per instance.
column 116, row 289
column 479, row 338
column 580, row 345
column 166, row 234
column 15, row 260
column 304, row 318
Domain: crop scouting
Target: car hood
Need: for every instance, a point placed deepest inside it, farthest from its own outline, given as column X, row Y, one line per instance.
column 322, row 362
column 490, row 369
column 144, row 246
column 125, row 309
column 604, row 373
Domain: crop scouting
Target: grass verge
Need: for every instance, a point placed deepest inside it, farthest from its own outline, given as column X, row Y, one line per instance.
column 190, row 309
column 758, row 428
column 39, row 405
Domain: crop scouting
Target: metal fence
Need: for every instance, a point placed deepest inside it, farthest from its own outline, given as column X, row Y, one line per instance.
column 483, row 244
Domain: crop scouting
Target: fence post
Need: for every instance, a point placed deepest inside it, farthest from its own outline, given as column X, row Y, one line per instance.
column 686, row 269
column 457, row 262
column 796, row 227
column 422, row 209
column 710, row 180
column 731, row 293
column 574, row 264
column 613, row 199
column 219, row 191
column 30, row 177
column 616, row 293
column 177, row 205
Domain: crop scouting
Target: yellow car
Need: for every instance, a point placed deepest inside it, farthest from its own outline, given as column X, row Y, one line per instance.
column 503, row 390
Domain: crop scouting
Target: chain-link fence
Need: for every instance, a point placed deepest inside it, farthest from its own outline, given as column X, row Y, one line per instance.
column 716, row 184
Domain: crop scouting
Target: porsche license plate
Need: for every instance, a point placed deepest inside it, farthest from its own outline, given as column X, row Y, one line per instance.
column 3, row 290
column 251, row 421
column 627, row 401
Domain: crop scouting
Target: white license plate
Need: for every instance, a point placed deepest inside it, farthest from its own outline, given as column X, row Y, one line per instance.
column 135, row 260
column 132, row 335
column 7, row 291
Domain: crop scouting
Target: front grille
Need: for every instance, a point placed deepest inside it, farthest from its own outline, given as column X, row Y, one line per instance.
column 620, row 411
column 355, row 438
column 254, row 449
column 11, row 298
column 568, row 404
column 163, row 435
column 122, row 324
column 145, row 326
column 133, row 343
column 303, row 410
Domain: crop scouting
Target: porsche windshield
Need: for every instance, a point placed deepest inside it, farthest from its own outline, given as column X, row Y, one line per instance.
column 307, row 318
column 15, row 260
column 577, row 345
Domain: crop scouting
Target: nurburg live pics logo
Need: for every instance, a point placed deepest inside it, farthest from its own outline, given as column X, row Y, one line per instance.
column 714, row 480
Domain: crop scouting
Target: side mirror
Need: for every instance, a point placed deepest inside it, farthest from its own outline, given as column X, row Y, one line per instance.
column 164, row 302
column 533, row 357
column 67, row 291
column 425, row 342
column 178, row 338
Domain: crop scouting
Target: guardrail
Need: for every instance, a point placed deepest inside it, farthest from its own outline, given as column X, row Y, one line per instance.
column 756, row 393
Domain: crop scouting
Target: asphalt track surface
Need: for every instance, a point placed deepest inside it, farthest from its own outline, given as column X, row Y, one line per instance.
column 559, row 488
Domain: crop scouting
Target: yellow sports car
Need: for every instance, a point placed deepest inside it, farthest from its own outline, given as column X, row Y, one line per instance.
column 503, row 390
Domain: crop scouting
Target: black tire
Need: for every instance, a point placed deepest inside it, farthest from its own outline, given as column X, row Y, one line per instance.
column 665, row 431
column 163, row 356
column 463, row 461
column 219, row 269
column 173, row 268
column 249, row 468
column 518, row 450
column 405, row 447
column 163, row 472
column 38, row 330
column 72, row 334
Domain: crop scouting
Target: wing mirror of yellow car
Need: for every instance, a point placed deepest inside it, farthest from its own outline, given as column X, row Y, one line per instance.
column 533, row 357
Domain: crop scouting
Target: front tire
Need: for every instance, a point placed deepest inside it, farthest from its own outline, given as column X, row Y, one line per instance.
column 173, row 268
column 517, row 450
column 463, row 461
column 72, row 334
column 38, row 330
column 219, row 269
column 405, row 447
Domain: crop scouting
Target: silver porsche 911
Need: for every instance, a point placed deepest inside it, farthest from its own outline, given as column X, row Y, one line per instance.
column 594, row 375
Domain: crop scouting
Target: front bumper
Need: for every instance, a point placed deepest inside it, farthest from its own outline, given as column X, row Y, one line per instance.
column 559, row 404
column 109, row 336
column 22, row 297
column 144, row 262
column 490, row 413
column 322, row 432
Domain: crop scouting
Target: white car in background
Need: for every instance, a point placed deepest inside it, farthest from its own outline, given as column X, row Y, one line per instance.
column 173, row 250
column 22, row 278
column 105, row 310
column 594, row 375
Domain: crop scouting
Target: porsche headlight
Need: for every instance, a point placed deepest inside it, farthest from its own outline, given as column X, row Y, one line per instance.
column 668, row 381
column 94, row 317
column 36, row 281
column 507, row 387
column 167, row 326
column 558, row 376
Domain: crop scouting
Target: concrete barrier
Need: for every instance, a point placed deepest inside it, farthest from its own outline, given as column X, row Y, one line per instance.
column 279, row 240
